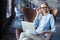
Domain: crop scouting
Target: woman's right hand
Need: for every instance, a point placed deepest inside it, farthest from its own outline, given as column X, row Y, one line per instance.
column 38, row 10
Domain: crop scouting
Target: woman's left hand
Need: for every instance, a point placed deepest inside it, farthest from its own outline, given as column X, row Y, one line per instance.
column 42, row 33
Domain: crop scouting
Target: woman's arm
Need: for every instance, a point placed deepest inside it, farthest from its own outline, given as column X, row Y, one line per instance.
column 38, row 10
column 37, row 17
column 53, row 28
column 52, row 22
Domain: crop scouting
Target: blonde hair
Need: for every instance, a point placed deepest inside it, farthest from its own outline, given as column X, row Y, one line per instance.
column 45, row 3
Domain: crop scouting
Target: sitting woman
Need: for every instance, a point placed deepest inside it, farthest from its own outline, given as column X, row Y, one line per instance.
column 43, row 23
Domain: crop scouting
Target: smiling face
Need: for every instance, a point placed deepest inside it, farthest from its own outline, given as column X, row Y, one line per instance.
column 43, row 8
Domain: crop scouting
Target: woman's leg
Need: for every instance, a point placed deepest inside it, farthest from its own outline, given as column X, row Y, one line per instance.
column 18, row 31
column 25, row 38
column 22, row 36
column 17, row 24
column 29, row 36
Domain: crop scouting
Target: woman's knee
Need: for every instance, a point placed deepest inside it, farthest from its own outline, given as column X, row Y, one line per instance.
column 25, row 38
column 22, row 34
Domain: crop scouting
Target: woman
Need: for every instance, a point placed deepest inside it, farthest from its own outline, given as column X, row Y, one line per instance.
column 43, row 23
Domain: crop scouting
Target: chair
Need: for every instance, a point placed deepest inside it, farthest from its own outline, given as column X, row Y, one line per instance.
column 29, row 14
column 54, row 11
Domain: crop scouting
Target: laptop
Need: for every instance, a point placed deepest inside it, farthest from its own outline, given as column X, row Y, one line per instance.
column 28, row 27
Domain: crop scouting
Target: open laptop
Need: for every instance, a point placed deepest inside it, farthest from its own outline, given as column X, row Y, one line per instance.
column 28, row 27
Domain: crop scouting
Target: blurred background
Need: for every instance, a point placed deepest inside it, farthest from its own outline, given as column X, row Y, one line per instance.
column 7, row 32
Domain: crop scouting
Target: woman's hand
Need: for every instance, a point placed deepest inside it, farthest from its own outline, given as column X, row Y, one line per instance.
column 42, row 33
column 48, row 31
column 38, row 10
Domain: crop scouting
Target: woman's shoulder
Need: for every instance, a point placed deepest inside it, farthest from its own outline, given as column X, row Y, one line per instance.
column 50, row 15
